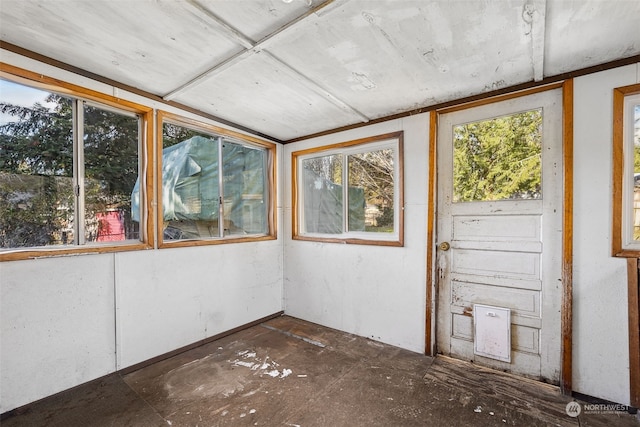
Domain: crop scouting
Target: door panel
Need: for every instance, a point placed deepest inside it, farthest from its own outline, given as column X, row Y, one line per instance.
column 500, row 209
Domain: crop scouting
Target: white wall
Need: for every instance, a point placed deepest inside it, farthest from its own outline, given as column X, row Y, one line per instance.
column 67, row 320
column 57, row 325
column 373, row 291
column 70, row 319
column 174, row 297
column 379, row 292
column 600, row 326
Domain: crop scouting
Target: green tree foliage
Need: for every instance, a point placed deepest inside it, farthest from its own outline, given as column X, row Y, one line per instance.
column 111, row 151
column 499, row 158
column 40, row 141
column 111, row 167
column 37, row 169
column 636, row 166
column 28, row 209
column 173, row 134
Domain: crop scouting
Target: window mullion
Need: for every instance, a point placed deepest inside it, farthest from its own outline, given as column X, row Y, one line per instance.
column 78, row 149
column 143, row 158
column 220, row 189
column 345, row 193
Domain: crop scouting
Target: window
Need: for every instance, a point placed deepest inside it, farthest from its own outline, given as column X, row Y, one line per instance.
column 68, row 165
column 350, row 192
column 216, row 184
column 499, row 158
column 626, row 171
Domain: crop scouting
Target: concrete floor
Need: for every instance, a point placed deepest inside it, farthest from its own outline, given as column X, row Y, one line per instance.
column 287, row 372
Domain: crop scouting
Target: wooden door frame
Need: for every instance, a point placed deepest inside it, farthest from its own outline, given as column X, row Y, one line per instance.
column 633, row 267
column 567, row 222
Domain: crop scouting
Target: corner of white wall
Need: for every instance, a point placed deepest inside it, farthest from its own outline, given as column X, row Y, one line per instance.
column 372, row 291
column 600, row 319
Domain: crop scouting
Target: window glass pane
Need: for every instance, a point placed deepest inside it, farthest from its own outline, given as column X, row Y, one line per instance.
column 636, row 175
column 498, row 159
column 349, row 192
column 371, row 191
column 190, row 191
column 111, row 169
column 245, row 204
column 36, row 168
column 323, row 195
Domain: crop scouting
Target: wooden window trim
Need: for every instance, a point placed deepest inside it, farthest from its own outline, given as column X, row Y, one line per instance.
column 634, row 331
column 29, row 78
column 177, row 119
column 399, row 242
column 617, row 237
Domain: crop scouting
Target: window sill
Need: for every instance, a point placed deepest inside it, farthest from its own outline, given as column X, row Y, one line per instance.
column 351, row 240
column 216, row 241
column 34, row 253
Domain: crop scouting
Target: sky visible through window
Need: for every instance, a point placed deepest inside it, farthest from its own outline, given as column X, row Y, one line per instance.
column 17, row 94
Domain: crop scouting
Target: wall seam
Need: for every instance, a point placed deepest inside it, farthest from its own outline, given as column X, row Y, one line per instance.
column 115, row 314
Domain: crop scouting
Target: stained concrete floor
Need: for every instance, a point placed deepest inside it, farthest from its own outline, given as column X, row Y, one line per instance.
column 287, row 372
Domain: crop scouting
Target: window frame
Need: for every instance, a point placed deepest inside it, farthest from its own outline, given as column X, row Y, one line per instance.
column 623, row 244
column 351, row 147
column 199, row 126
column 81, row 94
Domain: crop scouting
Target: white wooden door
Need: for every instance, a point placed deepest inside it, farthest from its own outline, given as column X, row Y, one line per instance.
column 505, row 251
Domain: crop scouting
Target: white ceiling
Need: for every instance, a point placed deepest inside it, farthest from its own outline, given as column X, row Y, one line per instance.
column 290, row 68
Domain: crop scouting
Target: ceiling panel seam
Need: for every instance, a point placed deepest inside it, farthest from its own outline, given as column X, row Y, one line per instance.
column 314, row 86
column 231, row 33
column 219, row 67
column 293, row 23
column 251, row 48
column 534, row 14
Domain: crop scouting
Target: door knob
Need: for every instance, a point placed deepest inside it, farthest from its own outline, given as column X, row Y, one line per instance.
column 444, row 246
